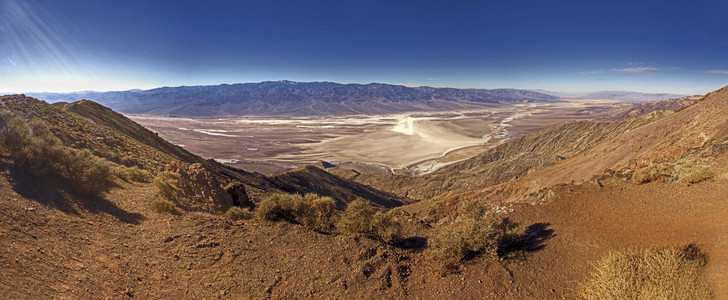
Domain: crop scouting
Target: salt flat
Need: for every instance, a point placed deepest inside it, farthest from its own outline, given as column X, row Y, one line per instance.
column 411, row 143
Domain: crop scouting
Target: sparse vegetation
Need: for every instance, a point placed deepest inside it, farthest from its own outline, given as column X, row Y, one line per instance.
column 236, row 213
column 478, row 232
column 35, row 148
column 692, row 171
column 685, row 170
column 132, row 174
column 652, row 173
column 361, row 217
column 168, row 185
column 161, row 205
column 319, row 213
column 667, row 273
column 312, row 211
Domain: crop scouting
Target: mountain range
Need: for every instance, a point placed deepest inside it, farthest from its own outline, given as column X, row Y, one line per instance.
column 288, row 98
column 622, row 96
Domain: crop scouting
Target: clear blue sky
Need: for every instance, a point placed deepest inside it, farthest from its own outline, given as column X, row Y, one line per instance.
column 652, row 46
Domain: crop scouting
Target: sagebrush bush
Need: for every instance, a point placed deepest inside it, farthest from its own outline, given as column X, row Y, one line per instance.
column 167, row 184
column 319, row 213
column 132, row 174
column 356, row 217
column 478, row 232
column 691, row 171
column 385, row 228
column 312, row 211
column 687, row 170
column 279, row 206
column 236, row 213
column 652, row 173
column 35, row 148
column 667, row 273
column 360, row 217
column 161, row 205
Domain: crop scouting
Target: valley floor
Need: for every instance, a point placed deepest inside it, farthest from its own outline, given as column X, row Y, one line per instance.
column 417, row 142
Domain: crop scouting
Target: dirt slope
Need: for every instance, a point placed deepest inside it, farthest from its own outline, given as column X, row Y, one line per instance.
column 118, row 248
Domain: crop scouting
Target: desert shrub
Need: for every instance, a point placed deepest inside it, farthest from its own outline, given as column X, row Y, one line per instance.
column 88, row 173
column 161, row 205
column 356, row 218
column 360, row 217
column 692, row 171
column 279, row 206
column 652, row 173
column 469, row 237
column 34, row 147
column 167, row 184
column 132, row 174
column 237, row 213
column 667, row 273
column 319, row 213
column 312, row 211
column 385, row 228
column 686, row 170
column 479, row 232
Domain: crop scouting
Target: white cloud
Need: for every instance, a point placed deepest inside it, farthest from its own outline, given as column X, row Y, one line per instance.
column 631, row 69
column 641, row 69
column 722, row 72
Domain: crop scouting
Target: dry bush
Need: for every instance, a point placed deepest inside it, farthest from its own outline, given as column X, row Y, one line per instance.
column 692, row 171
column 478, row 232
column 167, row 184
column 385, row 228
column 132, row 174
column 161, row 205
column 89, row 174
column 236, row 213
column 470, row 237
column 279, row 206
column 360, row 217
column 667, row 273
column 686, row 170
column 319, row 213
column 654, row 172
column 35, row 148
column 312, row 211
column 356, row 218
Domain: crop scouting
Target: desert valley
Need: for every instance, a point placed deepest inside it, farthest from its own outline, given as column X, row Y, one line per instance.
column 368, row 150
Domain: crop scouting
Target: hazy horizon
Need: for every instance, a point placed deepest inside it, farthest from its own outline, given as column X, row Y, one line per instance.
column 647, row 46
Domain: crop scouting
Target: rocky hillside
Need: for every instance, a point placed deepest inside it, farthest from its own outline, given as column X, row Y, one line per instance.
column 296, row 99
column 125, row 145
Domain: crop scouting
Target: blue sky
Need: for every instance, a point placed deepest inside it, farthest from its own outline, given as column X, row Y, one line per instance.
column 651, row 46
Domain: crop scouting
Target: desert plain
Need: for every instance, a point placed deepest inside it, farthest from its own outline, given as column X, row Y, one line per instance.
column 402, row 143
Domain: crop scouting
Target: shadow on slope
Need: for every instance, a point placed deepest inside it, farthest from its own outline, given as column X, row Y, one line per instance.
column 533, row 239
column 55, row 192
column 310, row 179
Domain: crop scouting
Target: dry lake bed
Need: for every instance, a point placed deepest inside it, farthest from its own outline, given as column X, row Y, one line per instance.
column 408, row 143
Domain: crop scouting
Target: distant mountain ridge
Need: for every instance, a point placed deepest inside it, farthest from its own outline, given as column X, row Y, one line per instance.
column 296, row 99
column 626, row 96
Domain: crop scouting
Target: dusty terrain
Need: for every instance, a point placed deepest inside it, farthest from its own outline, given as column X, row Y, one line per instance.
column 119, row 248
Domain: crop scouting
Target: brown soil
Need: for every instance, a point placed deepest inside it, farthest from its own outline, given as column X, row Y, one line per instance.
column 118, row 248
